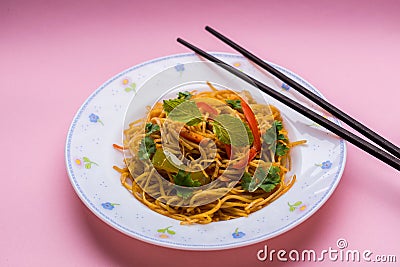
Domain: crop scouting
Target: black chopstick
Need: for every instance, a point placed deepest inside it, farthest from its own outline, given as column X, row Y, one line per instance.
column 356, row 125
column 336, row 129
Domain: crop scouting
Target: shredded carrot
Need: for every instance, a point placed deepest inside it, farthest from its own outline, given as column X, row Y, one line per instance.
column 296, row 143
column 119, row 147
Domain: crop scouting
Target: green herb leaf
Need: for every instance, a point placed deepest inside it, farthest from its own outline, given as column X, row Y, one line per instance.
column 269, row 136
column 183, row 178
column 281, row 149
column 261, row 179
column 147, row 148
column 258, row 179
column 278, row 125
column 86, row 159
column 161, row 230
column 274, row 174
column 272, row 137
column 221, row 133
column 184, row 95
column 272, row 180
column 281, row 137
column 235, row 104
column 267, row 187
column 246, row 180
column 170, row 104
column 186, row 112
column 151, row 128
column 231, row 130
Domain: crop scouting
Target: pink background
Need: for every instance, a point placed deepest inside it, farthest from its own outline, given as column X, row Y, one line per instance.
column 54, row 54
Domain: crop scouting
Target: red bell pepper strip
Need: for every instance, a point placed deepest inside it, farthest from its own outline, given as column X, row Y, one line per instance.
column 251, row 120
column 228, row 150
column 203, row 106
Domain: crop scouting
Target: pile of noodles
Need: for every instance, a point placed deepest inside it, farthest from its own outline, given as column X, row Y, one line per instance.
column 139, row 177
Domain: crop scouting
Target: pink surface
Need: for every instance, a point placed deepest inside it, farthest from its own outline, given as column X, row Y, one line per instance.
column 53, row 55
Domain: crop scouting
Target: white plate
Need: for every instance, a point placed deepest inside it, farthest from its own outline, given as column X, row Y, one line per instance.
column 100, row 121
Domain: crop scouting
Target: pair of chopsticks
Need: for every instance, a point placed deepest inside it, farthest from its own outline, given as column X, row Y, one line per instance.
column 390, row 156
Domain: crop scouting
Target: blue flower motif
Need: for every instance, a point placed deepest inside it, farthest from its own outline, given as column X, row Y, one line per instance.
column 179, row 67
column 94, row 118
column 285, row 86
column 238, row 234
column 108, row 205
column 326, row 165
